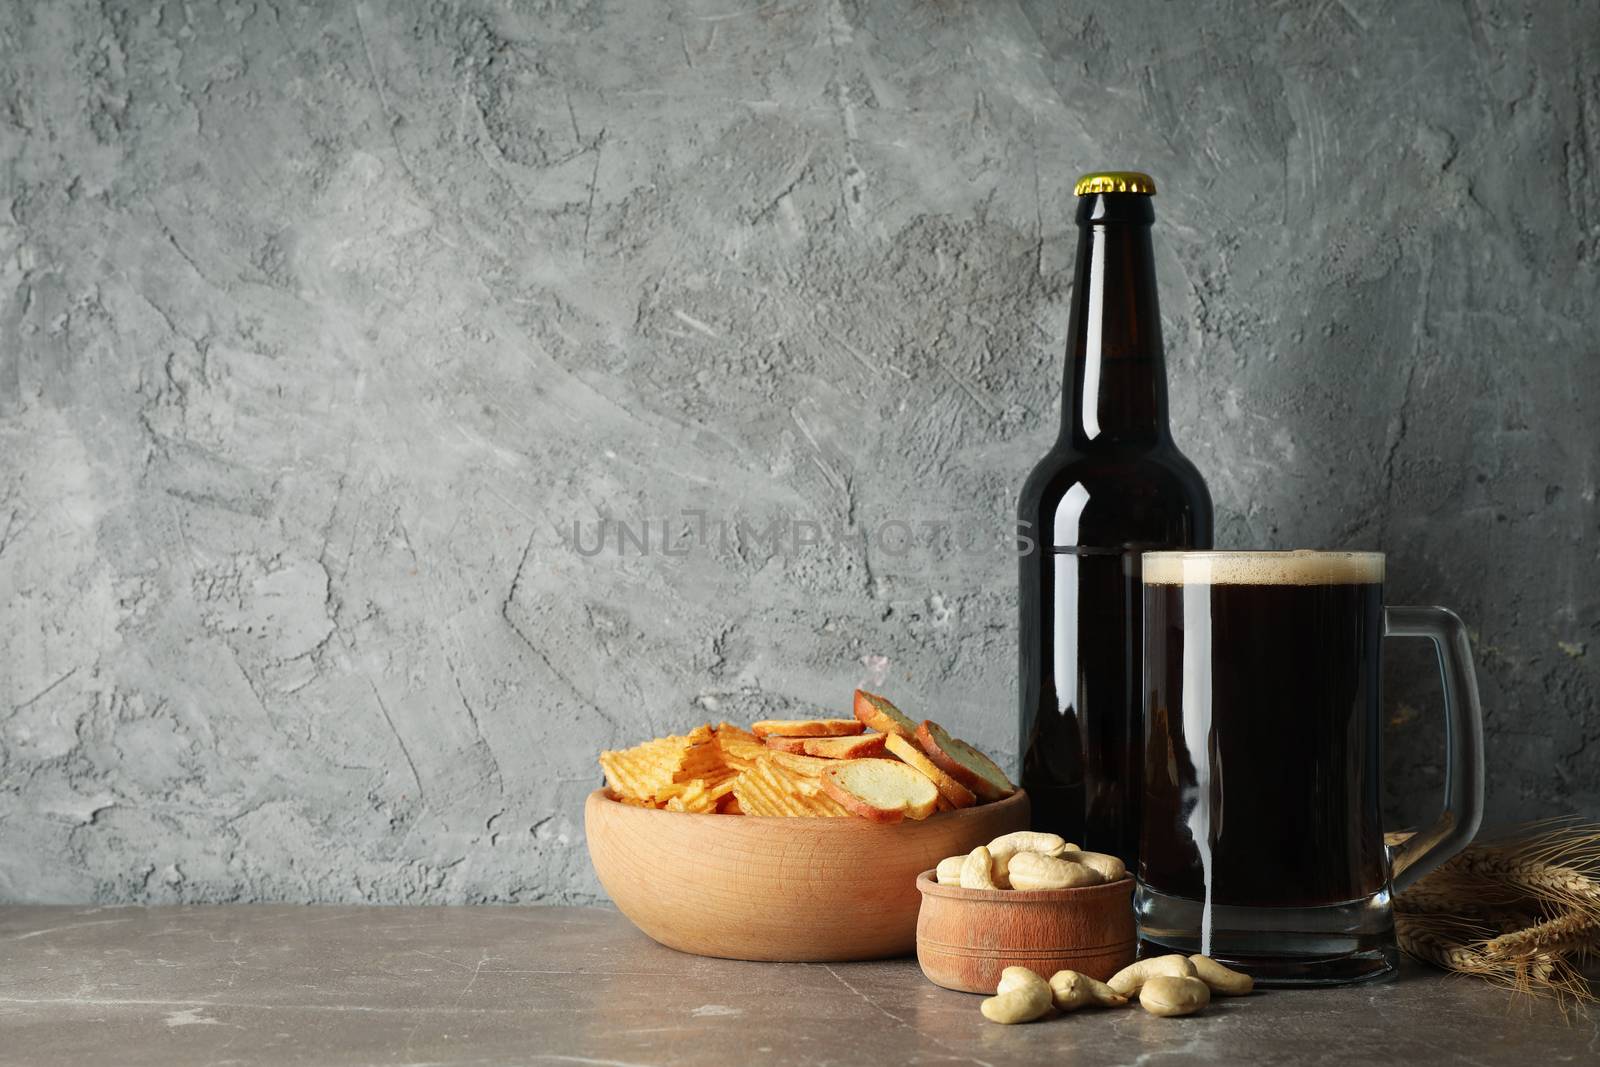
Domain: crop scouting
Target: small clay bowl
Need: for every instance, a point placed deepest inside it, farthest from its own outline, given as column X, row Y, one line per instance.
column 966, row 937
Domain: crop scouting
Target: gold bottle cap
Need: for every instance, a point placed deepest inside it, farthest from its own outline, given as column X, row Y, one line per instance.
column 1115, row 181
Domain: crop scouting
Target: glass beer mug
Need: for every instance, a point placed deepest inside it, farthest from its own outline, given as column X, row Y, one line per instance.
column 1261, row 841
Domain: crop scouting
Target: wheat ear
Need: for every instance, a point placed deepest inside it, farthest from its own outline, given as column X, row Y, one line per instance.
column 1565, row 933
column 1432, row 946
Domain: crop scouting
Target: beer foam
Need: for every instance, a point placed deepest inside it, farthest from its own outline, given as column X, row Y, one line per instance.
column 1301, row 567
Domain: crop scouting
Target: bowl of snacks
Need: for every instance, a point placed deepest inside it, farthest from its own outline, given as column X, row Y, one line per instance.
column 793, row 840
column 1024, row 899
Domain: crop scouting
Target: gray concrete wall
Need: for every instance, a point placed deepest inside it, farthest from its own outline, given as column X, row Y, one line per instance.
column 322, row 324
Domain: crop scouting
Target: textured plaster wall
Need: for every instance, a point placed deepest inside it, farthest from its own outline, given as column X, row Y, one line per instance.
column 321, row 325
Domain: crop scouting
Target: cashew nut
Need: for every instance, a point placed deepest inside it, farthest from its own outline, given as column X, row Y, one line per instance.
column 1109, row 868
column 949, row 871
column 1015, row 978
column 1002, row 848
column 1072, row 990
column 1166, row 995
column 1224, row 980
column 1027, row 841
column 1132, row 978
column 976, row 870
column 1021, row 997
column 1029, row 870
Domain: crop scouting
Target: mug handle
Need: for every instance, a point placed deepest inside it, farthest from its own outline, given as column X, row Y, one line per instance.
column 1463, row 768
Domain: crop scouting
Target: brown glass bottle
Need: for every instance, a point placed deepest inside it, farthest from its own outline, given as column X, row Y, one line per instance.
column 1114, row 485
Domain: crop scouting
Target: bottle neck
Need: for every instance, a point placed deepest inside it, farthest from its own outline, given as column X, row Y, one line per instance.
column 1115, row 386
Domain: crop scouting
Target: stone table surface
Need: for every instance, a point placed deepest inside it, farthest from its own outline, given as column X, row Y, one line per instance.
column 365, row 985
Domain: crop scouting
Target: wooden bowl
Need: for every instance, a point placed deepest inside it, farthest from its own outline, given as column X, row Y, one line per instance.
column 966, row 937
column 745, row 887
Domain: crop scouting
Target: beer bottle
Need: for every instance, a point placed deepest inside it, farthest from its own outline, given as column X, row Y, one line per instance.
column 1113, row 486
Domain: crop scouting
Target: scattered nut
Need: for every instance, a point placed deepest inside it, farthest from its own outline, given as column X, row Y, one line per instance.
column 1015, row 978
column 1029, row 870
column 1132, row 978
column 1167, row 995
column 1072, row 990
column 1166, row 986
column 1220, row 979
column 1021, row 997
column 976, row 870
column 949, row 871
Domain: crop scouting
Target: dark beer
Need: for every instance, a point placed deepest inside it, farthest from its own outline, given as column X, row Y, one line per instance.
column 1113, row 486
column 1262, row 845
column 1261, row 760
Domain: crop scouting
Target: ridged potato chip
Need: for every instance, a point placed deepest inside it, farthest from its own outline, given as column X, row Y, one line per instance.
column 692, row 796
column 740, row 749
column 767, row 789
column 645, row 773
